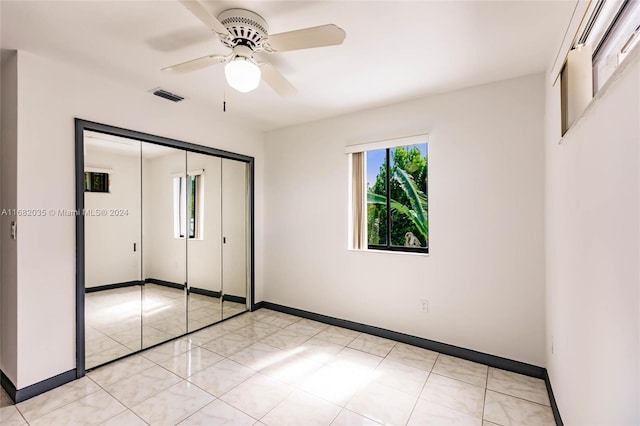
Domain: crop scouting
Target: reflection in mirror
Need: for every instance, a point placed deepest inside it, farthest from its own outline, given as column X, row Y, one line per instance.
column 235, row 234
column 204, row 248
column 112, row 248
column 164, row 226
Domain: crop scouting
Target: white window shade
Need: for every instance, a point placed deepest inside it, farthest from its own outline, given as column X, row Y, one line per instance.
column 577, row 82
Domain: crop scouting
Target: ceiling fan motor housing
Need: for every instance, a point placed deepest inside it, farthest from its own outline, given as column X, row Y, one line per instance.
column 246, row 27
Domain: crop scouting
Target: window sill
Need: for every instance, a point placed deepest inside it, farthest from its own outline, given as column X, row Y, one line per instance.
column 402, row 253
column 633, row 57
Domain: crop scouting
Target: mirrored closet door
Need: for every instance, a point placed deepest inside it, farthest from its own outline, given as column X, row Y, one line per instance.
column 113, row 261
column 204, row 245
column 234, row 238
column 166, row 242
column 164, row 246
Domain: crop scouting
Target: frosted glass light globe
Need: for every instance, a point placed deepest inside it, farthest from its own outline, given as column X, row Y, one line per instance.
column 242, row 74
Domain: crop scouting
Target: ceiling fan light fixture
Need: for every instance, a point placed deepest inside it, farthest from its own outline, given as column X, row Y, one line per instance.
column 242, row 74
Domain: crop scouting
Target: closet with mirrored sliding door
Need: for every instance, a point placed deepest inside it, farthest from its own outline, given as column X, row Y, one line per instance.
column 164, row 236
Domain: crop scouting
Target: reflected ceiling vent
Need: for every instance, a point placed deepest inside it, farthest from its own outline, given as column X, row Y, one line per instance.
column 167, row 95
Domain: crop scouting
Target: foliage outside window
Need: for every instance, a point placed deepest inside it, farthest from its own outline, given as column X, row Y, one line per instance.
column 397, row 203
column 96, row 182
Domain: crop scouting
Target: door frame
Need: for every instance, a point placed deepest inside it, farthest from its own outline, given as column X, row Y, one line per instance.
column 82, row 125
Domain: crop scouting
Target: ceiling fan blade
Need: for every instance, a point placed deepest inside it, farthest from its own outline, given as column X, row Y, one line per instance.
column 324, row 35
column 203, row 14
column 277, row 81
column 196, row 64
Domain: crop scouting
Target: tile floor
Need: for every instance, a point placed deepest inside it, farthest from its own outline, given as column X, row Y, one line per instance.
column 124, row 320
column 269, row 368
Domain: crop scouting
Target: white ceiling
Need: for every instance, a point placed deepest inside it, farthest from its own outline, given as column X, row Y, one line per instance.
column 394, row 50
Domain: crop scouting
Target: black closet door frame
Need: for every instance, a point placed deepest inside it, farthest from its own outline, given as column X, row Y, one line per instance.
column 82, row 125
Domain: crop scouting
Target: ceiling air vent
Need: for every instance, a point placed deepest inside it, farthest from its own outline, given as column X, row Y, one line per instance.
column 168, row 95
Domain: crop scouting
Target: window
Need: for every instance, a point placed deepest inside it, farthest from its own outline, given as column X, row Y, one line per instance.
column 187, row 205
column 389, row 196
column 96, row 182
column 606, row 37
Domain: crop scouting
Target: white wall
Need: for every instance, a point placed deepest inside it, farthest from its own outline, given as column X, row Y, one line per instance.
column 205, row 253
column 164, row 255
column 8, row 167
column 109, row 239
column 484, row 278
column 592, row 256
column 50, row 95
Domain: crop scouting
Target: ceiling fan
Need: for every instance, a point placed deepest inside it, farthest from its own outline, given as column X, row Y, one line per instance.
column 246, row 33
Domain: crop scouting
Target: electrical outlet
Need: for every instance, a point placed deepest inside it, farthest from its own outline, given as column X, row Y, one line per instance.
column 424, row 305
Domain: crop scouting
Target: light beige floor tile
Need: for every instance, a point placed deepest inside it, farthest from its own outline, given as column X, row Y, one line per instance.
column 400, row 376
column 126, row 418
column 229, row 344
column 372, row 344
column 206, row 335
column 120, row 370
column 257, row 395
column 454, row 394
column 514, row 384
column 355, row 357
column 293, row 369
column 168, row 350
column 413, row 356
column 337, row 383
column 10, row 416
column 301, row 408
column 308, row 327
column 218, row 413
column 460, row 369
column 427, row 413
column 285, row 339
column 93, row 409
column 508, row 410
column 42, row 404
column 349, row 418
column 338, row 335
column 318, row 350
column 190, row 362
column 280, row 319
column 257, row 330
column 259, row 356
column 221, row 377
column 143, row 385
column 382, row 404
column 173, row 404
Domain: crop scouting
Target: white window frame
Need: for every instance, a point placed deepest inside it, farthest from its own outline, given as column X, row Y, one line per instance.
column 181, row 205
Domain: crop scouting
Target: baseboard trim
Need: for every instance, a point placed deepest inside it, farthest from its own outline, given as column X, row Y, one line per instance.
column 112, row 286
column 552, row 400
column 19, row 395
column 164, row 283
column 235, row 299
column 444, row 348
column 256, row 306
column 204, row 292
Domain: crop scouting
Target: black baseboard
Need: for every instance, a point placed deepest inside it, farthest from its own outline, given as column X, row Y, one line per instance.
column 552, row 400
column 204, row 292
column 164, row 283
column 257, row 306
column 19, row 395
column 235, row 299
column 443, row 348
column 112, row 286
